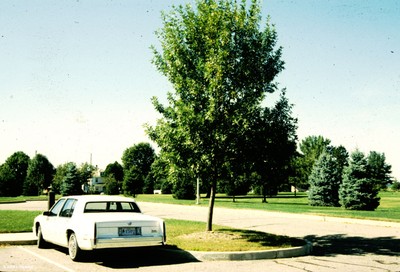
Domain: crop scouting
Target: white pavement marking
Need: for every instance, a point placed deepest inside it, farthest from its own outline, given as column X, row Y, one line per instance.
column 46, row 260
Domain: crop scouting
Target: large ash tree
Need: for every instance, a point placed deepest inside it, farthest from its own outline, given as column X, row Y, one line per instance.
column 221, row 65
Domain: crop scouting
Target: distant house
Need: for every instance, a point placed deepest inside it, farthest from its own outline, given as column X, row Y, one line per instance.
column 95, row 184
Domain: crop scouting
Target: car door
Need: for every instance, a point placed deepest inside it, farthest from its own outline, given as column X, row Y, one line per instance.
column 50, row 224
column 63, row 220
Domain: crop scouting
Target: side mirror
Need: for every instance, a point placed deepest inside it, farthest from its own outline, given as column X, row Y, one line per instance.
column 47, row 213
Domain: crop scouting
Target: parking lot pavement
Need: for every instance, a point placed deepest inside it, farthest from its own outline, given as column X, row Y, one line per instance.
column 30, row 258
column 26, row 206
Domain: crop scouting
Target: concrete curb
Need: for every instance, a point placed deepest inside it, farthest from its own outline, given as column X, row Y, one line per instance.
column 253, row 255
column 13, row 202
column 18, row 243
column 24, row 238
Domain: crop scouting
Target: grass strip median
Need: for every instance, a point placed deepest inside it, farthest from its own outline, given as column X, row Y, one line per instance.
column 181, row 234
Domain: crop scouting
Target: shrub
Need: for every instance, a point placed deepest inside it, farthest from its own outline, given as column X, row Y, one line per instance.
column 395, row 186
column 111, row 186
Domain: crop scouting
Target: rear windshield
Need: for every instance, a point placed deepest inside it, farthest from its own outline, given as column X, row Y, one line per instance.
column 111, row 206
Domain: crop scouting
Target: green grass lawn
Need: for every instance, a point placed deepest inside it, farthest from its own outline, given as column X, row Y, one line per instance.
column 389, row 209
column 16, row 221
column 23, row 198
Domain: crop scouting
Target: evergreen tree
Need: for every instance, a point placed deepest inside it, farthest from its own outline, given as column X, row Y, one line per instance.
column 324, row 182
column 358, row 190
column 71, row 184
column 273, row 147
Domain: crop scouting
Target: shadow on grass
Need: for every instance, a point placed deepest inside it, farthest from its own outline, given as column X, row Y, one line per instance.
column 339, row 244
column 282, row 196
column 266, row 239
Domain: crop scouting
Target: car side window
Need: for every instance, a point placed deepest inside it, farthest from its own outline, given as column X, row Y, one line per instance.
column 57, row 207
column 68, row 208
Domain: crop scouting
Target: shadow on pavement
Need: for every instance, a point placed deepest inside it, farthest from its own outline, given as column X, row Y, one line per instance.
column 134, row 257
column 140, row 257
column 332, row 245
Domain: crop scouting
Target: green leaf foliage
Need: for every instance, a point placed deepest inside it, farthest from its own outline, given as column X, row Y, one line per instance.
column 116, row 170
column 112, row 186
column 13, row 174
column 61, row 172
column 137, row 161
column 222, row 64
column 379, row 170
column 311, row 148
column 39, row 175
column 133, row 181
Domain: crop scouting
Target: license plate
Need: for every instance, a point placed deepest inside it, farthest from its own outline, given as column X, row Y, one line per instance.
column 129, row 231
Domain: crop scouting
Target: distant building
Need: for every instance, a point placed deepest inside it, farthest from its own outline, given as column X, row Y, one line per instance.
column 95, row 184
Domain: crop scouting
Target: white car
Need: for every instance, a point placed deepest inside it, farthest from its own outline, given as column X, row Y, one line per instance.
column 96, row 222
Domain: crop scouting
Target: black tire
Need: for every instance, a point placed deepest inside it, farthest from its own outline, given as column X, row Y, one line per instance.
column 75, row 253
column 41, row 243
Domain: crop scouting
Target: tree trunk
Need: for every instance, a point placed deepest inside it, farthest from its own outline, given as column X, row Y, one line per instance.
column 211, row 207
column 264, row 199
column 208, row 193
column 264, row 193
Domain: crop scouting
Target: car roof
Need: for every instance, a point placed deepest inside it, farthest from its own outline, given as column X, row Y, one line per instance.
column 100, row 198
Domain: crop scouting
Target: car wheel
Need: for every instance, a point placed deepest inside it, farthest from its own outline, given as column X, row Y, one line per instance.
column 73, row 248
column 41, row 243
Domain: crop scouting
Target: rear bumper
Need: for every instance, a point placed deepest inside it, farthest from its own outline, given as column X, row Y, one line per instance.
column 127, row 242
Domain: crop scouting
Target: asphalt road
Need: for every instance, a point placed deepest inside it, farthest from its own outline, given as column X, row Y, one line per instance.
column 339, row 245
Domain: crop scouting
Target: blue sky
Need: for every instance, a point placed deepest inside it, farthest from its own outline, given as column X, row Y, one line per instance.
column 76, row 76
